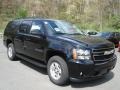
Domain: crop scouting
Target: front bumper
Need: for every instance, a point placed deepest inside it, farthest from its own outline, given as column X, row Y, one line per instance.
column 87, row 69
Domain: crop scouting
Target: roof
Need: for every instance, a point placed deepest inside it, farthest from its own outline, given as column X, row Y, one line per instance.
column 34, row 18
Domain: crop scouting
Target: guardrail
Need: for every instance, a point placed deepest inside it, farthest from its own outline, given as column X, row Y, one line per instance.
column 1, row 35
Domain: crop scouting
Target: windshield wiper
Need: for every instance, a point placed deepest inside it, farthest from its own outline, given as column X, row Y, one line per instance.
column 60, row 33
column 69, row 33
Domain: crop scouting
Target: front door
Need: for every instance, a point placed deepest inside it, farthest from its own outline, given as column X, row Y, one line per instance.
column 35, row 42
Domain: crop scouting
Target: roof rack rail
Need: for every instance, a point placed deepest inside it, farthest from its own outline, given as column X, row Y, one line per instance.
column 29, row 18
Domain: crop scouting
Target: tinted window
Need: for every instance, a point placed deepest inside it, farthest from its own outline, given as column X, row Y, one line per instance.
column 25, row 26
column 63, row 27
column 37, row 27
column 8, row 27
column 11, row 25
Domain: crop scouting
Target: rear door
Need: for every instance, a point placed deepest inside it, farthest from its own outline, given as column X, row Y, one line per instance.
column 35, row 42
column 20, row 36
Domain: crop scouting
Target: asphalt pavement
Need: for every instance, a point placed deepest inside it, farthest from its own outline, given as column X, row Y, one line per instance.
column 21, row 75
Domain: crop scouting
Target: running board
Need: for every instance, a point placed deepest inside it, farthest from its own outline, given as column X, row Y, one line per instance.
column 37, row 63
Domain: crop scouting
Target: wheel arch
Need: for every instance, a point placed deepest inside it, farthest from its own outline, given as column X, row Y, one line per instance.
column 51, row 53
column 8, row 41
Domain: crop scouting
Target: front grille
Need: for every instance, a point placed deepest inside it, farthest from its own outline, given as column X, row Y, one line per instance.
column 99, row 57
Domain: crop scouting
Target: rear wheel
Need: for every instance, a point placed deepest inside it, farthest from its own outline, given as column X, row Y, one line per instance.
column 57, row 70
column 11, row 52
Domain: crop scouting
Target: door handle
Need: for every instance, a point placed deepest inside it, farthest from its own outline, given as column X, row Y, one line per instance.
column 19, row 40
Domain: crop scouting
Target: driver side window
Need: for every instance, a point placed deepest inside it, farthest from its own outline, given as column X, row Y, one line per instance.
column 36, row 28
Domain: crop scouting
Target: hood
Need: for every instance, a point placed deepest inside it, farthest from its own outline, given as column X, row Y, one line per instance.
column 89, row 40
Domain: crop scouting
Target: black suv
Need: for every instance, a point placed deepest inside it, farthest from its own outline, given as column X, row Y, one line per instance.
column 60, row 47
column 111, row 36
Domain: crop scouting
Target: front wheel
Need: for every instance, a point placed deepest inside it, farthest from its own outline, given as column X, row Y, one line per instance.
column 57, row 70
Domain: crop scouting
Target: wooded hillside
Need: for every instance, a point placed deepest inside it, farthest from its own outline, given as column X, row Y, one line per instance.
column 87, row 14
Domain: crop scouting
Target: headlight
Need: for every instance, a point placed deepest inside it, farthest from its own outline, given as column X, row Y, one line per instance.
column 81, row 54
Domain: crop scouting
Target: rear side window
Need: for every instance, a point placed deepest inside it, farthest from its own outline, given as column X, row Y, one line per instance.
column 25, row 26
column 11, row 27
column 8, row 27
column 9, row 24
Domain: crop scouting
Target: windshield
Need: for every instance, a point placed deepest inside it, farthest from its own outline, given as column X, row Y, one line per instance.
column 63, row 27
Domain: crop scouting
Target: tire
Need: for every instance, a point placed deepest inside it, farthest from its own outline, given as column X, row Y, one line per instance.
column 62, row 76
column 11, row 52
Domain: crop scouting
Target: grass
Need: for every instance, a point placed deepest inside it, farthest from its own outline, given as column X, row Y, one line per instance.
column 1, row 30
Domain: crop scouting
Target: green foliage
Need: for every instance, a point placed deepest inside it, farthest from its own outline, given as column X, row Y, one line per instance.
column 115, row 22
column 99, row 15
column 88, row 26
column 21, row 13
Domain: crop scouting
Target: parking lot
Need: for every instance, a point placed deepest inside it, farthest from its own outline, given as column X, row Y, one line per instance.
column 21, row 75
